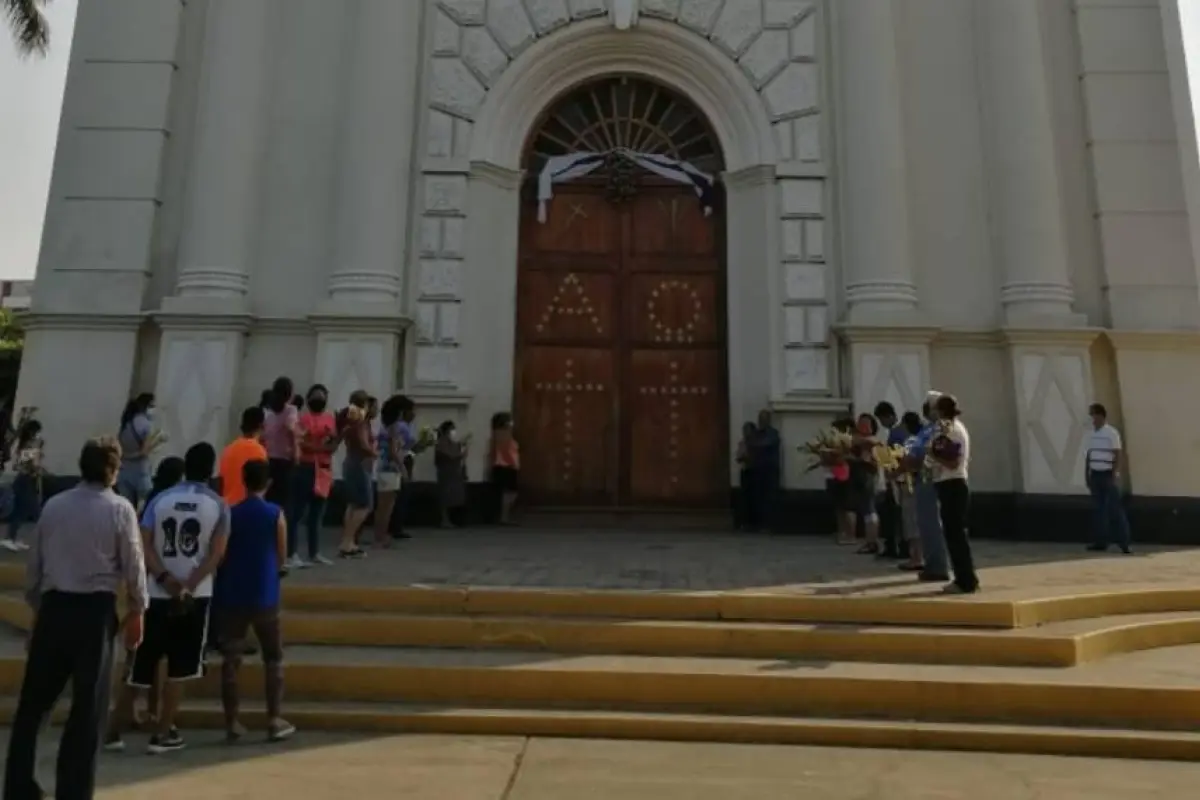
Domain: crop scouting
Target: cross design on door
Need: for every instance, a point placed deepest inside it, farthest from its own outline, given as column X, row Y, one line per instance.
column 577, row 210
column 672, row 390
column 568, row 388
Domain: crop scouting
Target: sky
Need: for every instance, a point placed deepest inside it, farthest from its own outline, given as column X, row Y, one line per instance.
column 31, row 96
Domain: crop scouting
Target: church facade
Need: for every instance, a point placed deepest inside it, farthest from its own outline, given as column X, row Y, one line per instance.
column 799, row 205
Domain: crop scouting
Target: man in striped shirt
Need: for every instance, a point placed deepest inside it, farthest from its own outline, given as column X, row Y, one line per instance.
column 1103, row 476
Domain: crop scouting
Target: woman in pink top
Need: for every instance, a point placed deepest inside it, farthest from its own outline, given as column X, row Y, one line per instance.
column 312, row 478
column 504, row 461
column 280, row 437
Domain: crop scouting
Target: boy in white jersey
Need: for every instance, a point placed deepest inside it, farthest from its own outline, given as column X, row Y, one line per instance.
column 184, row 532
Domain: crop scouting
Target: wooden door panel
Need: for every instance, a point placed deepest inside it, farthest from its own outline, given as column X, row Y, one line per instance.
column 567, row 307
column 565, row 414
column 577, row 223
column 676, row 430
column 664, row 310
column 670, row 223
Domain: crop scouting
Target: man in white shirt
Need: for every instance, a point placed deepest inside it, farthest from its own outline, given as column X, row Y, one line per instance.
column 184, row 533
column 1102, row 472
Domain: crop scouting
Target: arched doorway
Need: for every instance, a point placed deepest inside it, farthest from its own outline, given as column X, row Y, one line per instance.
column 621, row 384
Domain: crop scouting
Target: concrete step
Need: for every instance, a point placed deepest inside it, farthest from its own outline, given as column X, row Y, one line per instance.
column 1094, row 696
column 592, row 724
column 682, row 638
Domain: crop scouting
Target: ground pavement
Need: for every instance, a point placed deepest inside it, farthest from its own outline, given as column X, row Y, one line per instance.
column 317, row 766
column 724, row 561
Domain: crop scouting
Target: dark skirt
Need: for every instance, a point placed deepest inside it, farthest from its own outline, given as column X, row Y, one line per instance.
column 505, row 479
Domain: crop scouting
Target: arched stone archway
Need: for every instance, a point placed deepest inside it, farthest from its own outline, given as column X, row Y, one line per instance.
column 760, row 91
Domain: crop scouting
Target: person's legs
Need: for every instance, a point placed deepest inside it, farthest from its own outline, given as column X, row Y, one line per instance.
column 233, row 624
column 1100, row 513
column 385, row 503
column 889, row 524
column 47, row 669
column 269, row 633
column 24, row 505
column 185, row 645
column 356, row 481
column 933, row 544
column 954, row 498
column 911, row 531
column 316, row 519
column 303, row 478
column 1118, row 522
column 91, row 684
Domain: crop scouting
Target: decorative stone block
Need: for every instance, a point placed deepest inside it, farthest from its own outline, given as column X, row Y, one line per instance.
column 440, row 278
column 510, row 24
column 426, row 322
column 766, row 56
column 814, row 240
column 447, row 331
column 897, row 374
column 582, row 9
column 430, row 236
column 194, row 389
column 784, row 13
column 699, row 15
column 804, row 282
column 785, row 137
column 793, row 239
column 807, row 133
column 454, row 237
column 1053, row 387
column 804, row 38
column 483, row 55
column 439, row 142
column 738, row 23
column 466, row 12
column 663, row 9
column 816, row 325
column 806, row 369
column 548, row 14
column 446, row 34
column 445, row 194
column 454, row 88
column 436, row 365
column 801, row 197
column 793, row 90
column 462, row 137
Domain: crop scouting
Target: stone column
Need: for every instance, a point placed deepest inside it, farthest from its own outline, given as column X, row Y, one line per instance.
column 877, row 243
column 360, row 322
column 1029, row 233
column 216, row 249
column 204, row 323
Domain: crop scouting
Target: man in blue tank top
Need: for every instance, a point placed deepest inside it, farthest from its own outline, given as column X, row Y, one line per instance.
column 248, row 595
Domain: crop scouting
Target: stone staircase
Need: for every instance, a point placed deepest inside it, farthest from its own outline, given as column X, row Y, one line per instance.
column 1038, row 676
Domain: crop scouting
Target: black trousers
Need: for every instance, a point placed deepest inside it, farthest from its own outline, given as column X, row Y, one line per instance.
column 954, row 499
column 72, row 642
column 889, row 527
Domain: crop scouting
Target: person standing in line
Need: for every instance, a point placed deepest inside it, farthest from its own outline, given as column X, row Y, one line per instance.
column 312, row 478
column 951, row 450
column 894, row 544
column 355, row 431
column 905, row 487
column 394, row 441
column 248, row 597
column 282, row 440
column 766, row 455
column 137, row 440
column 247, row 447
column 184, row 534
column 743, row 518
column 27, row 484
column 929, row 520
column 87, row 547
column 450, row 462
column 504, row 462
column 1102, row 474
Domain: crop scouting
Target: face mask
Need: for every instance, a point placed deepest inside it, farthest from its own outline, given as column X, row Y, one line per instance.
column 452, row 434
column 317, row 404
column 150, row 412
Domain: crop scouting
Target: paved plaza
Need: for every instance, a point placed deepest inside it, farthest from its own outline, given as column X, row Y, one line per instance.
column 724, row 561
column 316, row 766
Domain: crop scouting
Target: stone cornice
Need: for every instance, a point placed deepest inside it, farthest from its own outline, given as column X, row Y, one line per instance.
column 438, row 399
column 1154, row 340
column 887, row 334
column 969, row 337
column 295, row 326
column 497, row 175
column 360, row 323
column 801, row 169
column 799, row 404
column 1055, row 337
column 750, row 176
column 57, row 320
column 224, row 323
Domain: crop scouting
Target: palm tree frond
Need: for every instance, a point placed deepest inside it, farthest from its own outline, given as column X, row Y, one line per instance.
column 28, row 23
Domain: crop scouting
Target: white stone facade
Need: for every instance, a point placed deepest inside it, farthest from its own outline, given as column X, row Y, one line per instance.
column 994, row 197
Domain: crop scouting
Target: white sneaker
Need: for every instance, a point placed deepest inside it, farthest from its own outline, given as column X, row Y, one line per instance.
column 296, row 562
column 10, row 546
column 321, row 560
column 21, row 546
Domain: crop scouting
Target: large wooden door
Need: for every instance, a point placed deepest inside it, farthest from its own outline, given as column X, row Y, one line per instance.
column 621, row 363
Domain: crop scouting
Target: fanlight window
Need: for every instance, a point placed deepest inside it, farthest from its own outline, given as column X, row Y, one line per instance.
column 626, row 113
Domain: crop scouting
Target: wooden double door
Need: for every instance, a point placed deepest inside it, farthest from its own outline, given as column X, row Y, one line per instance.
column 621, row 388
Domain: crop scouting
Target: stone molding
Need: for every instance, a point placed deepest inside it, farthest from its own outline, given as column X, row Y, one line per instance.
column 888, row 334
column 755, row 175
column 1154, row 340
column 793, row 404
column 49, row 320
column 225, row 322
column 351, row 321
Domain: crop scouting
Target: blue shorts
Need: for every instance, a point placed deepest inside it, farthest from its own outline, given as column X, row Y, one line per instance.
column 356, row 483
column 134, row 483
